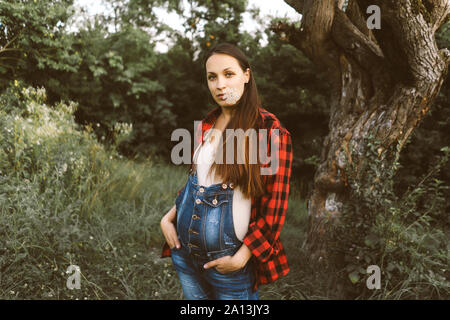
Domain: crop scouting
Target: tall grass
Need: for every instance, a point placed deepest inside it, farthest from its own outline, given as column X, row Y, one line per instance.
column 65, row 200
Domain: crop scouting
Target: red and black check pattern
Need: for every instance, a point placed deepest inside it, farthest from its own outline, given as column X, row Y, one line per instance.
column 268, row 212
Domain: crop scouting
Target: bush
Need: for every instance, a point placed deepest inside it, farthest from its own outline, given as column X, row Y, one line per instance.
column 407, row 236
column 65, row 200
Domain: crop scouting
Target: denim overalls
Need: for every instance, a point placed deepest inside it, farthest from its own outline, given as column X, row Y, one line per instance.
column 206, row 232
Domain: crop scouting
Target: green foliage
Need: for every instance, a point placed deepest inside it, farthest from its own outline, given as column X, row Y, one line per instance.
column 209, row 18
column 39, row 141
column 116, row 76
column 139, row 14
column 405, row 236
column 32, row 39
column 65, row 200
column 122, row 84
column 443, row 36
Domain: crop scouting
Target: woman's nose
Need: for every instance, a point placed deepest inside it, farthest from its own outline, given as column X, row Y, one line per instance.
column 220, row 83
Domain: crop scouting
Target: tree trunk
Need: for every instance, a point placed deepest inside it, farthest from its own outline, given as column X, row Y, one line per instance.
column 384, row 81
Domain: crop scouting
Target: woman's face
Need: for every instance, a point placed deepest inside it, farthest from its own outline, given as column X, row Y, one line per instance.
column 225, row 78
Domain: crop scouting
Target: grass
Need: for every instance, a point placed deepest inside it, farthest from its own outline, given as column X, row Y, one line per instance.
column 302, row 281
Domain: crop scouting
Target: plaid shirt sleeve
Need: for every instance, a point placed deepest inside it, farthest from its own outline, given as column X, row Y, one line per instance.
column 265, row 227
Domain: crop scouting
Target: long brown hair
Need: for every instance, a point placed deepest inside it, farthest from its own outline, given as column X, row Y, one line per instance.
column 246, row 116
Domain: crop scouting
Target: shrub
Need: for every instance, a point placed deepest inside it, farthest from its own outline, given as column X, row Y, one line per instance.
column 62, row 204
column 406, row 236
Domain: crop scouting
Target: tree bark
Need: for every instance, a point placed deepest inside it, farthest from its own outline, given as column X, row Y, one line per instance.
column 384, row 81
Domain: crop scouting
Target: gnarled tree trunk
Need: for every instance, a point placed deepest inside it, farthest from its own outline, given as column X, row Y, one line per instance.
column 383, row 82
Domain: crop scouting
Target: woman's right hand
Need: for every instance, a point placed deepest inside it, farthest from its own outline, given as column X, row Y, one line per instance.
column 168, row 229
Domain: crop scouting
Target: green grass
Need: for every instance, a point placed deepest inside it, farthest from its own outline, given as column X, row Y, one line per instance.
column 301, row 282
column 112, row 234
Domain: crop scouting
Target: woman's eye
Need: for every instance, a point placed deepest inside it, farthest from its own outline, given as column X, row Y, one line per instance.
column 227, row 74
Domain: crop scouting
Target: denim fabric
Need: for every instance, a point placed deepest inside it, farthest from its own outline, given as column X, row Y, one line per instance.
column 206, row 232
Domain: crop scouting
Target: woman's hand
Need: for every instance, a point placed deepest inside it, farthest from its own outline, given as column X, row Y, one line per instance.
column 168, row 229
column 229, row 264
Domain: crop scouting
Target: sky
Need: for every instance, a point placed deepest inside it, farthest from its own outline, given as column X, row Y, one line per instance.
column 276, row 8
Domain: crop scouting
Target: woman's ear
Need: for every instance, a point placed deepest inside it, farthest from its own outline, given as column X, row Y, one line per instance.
column 247, row 75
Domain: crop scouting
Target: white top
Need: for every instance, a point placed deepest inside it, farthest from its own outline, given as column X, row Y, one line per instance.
column 241, row 206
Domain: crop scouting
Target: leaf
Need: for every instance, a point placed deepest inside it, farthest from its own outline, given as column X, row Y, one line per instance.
column 371, row 240
column 98, row 71
column 390, row 267
column 354, row 277
column 116, row 99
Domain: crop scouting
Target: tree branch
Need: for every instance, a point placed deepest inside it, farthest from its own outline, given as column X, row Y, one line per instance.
column 317, row 20
column 296, row 4
column 407, row 39
column 417, row 41
column 293, row 35
column 440, row 12
column 11, row 41
column 355, row 15
column 355, row 43
column 340, row 4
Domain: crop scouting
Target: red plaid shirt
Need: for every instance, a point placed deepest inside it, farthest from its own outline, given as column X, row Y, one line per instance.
column 268, row 212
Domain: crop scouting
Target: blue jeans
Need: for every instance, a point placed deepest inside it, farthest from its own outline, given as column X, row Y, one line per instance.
column 206, row 232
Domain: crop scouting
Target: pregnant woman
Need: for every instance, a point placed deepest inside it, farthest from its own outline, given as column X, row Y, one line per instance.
column 223, row 231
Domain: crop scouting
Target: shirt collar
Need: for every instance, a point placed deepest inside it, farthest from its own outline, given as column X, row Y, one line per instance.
column 211, row 117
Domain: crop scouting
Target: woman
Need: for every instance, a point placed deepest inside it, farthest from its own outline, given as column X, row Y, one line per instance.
column 223, row 231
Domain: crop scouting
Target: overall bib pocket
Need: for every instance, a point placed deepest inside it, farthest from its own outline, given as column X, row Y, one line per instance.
column 215, row 200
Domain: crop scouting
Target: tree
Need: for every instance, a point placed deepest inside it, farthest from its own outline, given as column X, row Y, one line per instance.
column 32, row 39
column 383, row 82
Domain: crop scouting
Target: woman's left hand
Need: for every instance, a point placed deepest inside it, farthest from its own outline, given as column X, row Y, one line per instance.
column 225, row 264
column 229, row 264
